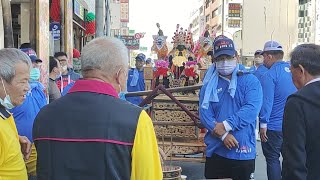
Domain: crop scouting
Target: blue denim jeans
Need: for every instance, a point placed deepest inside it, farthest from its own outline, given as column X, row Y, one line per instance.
column 271, row 150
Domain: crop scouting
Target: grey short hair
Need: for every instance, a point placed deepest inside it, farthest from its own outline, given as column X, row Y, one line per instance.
column 9, row 57
column 308, row 56
column 104, row 53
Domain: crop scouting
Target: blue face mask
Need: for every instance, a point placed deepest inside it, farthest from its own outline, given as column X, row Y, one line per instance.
column 35, row 74
column 7, row 101
column 122, row 94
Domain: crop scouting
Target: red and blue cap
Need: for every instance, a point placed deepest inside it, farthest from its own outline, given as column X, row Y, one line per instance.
column 223, row 46
column 32, row 54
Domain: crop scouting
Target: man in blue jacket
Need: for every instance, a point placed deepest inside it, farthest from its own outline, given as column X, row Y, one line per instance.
column 229, row 104
column 136, row 79
column 25, row 114
column 258, row 70
column 277, row 85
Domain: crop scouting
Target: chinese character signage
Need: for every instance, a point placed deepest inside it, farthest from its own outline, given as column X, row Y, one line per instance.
column 55, row 30
column 234, row 9
column 125, row 31
column 130, row 42
column 78, row 9
column 124, row 10
column 234, row 23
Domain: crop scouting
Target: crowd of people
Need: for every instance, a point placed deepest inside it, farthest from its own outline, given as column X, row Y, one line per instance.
column 87, row 129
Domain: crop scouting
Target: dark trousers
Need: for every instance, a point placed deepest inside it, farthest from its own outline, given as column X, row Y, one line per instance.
column 218, row 167
column 271, row 150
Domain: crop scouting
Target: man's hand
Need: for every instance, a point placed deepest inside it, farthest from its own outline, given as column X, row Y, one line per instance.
column 219, row 129
column 25, row 147
column 263, row 134
column 230, row 142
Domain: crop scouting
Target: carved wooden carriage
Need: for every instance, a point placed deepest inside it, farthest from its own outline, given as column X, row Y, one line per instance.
column 176, row 121
column 177, row 134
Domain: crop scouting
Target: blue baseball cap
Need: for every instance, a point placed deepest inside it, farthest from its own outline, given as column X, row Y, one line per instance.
column 32, row 54
column 141, row 57
column 271, row 46
column 149, row 60
column 223, row 46
column 258, row 52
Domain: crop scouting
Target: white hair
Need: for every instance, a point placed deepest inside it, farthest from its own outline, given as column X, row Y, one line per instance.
column 9, row 58
column 107, row 54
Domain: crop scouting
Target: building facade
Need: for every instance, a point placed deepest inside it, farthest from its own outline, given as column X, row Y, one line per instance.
column 119, row 10
column 268, row 20
column 224, row 16
column 308, row 21
column 197, row 19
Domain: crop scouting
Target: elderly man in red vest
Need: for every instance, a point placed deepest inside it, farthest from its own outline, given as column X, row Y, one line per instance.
column 92, row 134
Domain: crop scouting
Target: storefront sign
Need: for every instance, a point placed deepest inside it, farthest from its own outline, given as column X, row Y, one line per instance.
column 124, row 10
column 234, row 23
column 124, row 31
column 78, row 9
column 234, row 9
column 144, row 49
column 55, row 29
column 130, row 42
column 131, row 32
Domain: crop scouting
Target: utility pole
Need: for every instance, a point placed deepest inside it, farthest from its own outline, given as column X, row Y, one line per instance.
column 107, row 19
column 7, row 24
column 99, row 18
column 32, row 24
column 1, row 27
column 62, row 25
column 223, row 18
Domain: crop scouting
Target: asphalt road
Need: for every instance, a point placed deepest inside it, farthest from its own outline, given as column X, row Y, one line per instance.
column 195, row 171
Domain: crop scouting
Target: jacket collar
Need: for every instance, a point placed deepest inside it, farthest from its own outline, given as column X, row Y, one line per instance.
column 4, row 114
column 94, row 86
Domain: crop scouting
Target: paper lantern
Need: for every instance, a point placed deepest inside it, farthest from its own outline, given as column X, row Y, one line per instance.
column 91, row 28
column 76, row 53
column 55, row 10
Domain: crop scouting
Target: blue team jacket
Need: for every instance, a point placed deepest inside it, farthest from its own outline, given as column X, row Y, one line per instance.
column 139, row 87
column 277, row 85
column 240, row 112
column 253, row 69
column 261, row 70
column 25, row 114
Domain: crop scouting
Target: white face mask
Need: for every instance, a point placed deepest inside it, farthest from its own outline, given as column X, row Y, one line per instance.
column 226, row 68
column 7, row 101
column 258, row 60
column 64, row 68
